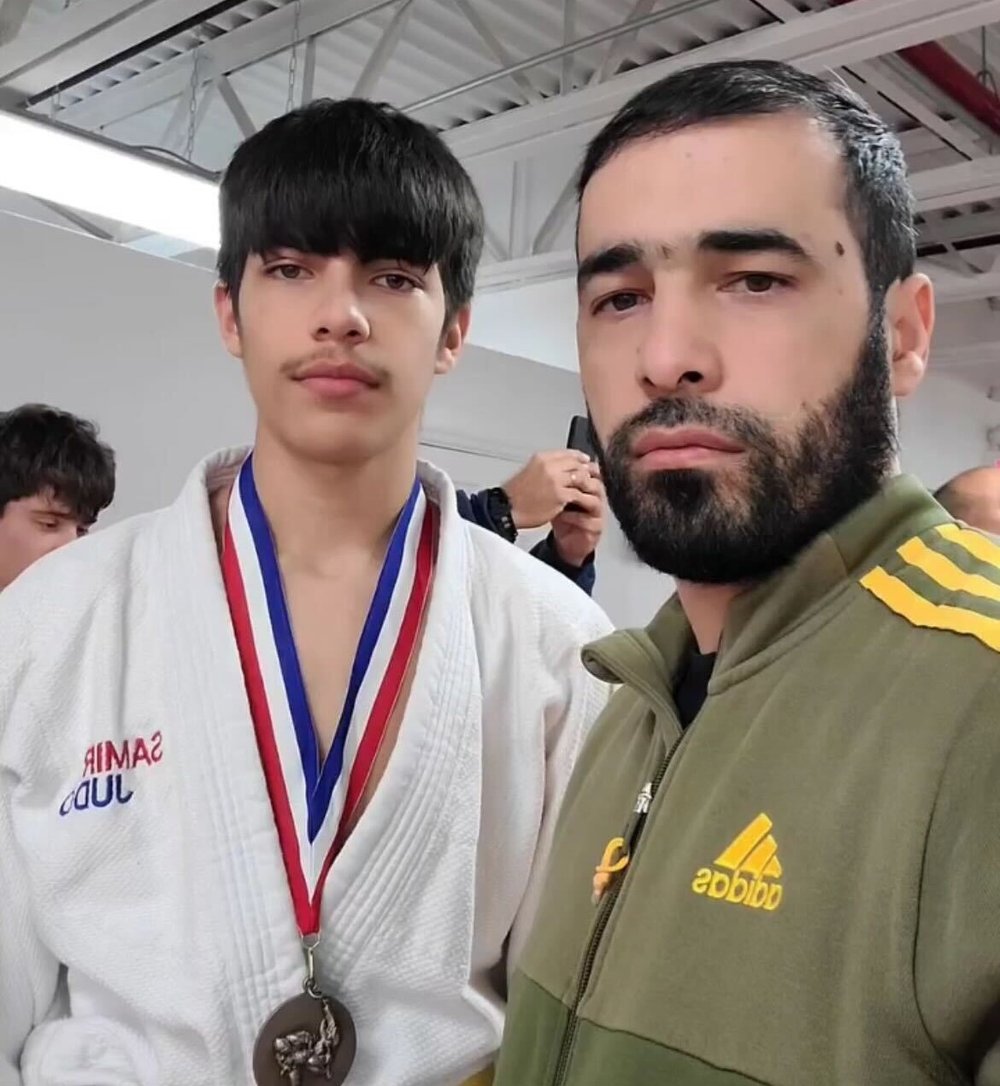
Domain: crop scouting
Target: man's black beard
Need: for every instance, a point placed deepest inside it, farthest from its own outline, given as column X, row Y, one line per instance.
column 726, row 529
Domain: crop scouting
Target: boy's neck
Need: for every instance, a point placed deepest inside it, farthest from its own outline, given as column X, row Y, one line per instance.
column 317, row 511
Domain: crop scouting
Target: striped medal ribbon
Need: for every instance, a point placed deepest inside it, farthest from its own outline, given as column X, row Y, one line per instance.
column 314, row 798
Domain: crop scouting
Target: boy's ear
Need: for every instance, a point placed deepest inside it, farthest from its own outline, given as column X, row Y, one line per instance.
column 453, row 340
column 229, row 323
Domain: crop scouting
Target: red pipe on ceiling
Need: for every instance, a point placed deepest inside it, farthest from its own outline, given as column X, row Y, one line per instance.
column 935, row 63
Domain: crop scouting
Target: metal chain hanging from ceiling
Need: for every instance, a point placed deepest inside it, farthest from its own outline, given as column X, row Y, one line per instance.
column 193, row 102
column 985, row 75
column 293, row 62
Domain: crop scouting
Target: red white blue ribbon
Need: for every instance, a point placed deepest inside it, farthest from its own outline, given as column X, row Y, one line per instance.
column 314, row 799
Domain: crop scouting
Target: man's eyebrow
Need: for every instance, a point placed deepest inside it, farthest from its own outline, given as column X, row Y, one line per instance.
column 614, row 258
column 753, row 241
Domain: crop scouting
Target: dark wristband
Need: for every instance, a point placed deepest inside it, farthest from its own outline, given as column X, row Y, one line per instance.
column 500, row 512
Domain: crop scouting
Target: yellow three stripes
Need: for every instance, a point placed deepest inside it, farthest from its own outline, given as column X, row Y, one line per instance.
column 907, row 603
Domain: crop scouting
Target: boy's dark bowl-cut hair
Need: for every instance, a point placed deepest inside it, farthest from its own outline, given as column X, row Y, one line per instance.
column 352, row 176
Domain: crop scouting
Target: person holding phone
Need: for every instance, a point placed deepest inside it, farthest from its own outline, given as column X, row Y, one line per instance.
column 561, row 487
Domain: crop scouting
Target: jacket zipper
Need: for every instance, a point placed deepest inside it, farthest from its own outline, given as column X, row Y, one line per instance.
column 632, row 834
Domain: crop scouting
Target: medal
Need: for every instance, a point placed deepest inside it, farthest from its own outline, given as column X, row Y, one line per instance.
column 311, row 1038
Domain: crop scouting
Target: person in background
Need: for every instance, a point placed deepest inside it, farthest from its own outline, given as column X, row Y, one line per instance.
column 56, row 477
column 280, row 763
column 973, row 496
column 541, row 493
column 777, row 860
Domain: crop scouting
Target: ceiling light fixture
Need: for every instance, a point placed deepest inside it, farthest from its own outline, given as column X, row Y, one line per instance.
column 90, row 174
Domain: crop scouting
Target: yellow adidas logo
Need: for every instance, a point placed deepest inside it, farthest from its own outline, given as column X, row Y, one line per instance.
column 752, row 860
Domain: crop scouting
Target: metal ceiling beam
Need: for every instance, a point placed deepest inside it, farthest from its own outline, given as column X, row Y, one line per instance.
column 945, row 186
column 555, row 219
column 525, row 271
column 890, row 89
column 569, row 33
column 247, row 44
column 382, row 53
column 961, row 228
column 815, row 42
column 74, row 218
column 493, row 244
column 236, row 107
column 899, row 96
column 309, row 73
column 181, row 122
column 497, row 47
column 85, row 35
column 613, row 54
column 12, row 16
column 877, row 76
column 780, row 9
column 969, row 354
column 519, row 228
column 949, row 289
column 677, row 7
column 953, row 186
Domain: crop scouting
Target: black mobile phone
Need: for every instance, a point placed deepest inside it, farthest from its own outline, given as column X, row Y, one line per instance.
column 581, row 437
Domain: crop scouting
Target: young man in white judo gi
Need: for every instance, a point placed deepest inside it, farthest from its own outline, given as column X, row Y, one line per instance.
column 279, row 764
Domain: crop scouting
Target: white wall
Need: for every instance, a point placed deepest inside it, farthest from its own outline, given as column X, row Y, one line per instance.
column 943, row 428
column 130, row 340
column 545, row 328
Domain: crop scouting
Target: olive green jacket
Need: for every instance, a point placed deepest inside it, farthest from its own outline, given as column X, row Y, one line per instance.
column 805, row 889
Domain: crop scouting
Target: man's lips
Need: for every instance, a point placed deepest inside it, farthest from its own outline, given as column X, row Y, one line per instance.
column 682, row 447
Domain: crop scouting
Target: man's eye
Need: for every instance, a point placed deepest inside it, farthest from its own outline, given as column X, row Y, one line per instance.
column 621, row 302
column 758, row 283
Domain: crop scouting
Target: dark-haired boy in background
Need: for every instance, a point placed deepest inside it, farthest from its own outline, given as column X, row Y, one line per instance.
column 55, row 479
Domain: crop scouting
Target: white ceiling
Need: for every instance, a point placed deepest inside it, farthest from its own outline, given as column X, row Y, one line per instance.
column 517, row 87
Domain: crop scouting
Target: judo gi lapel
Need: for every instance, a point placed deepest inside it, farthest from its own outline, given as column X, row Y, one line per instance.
column 372, row 883
column 255, row 926
column 376, row 873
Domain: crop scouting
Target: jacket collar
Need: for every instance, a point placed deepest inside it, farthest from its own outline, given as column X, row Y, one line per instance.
column 774, row 615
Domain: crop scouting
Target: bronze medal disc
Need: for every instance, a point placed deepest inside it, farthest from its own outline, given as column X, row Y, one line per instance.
column 307, row 1041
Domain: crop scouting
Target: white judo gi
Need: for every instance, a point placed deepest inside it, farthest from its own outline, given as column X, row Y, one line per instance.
column 146, row 926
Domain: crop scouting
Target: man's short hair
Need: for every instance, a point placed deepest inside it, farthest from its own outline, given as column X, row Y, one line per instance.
column 47, row 451
column 878, row 198
column 357, row 176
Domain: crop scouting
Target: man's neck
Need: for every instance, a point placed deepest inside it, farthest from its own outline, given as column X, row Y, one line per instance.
column 317, row 512
column 706, row 606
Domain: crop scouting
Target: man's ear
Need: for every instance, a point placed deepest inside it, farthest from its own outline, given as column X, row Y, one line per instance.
column 910, row 317
column 229, row 322
column 453, row 340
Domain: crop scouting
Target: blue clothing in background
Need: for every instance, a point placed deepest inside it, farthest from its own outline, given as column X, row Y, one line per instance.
column 472, row 507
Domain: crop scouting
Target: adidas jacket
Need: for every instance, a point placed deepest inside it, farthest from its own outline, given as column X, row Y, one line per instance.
column 804, row 887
